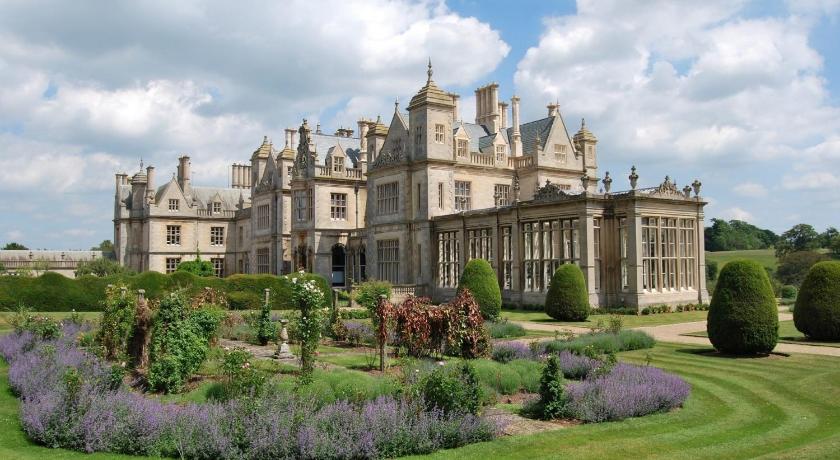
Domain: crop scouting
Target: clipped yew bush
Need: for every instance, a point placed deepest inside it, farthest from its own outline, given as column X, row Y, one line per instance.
column 480, row 279
column 817, row 310
column 567, row 298
column 743, row 317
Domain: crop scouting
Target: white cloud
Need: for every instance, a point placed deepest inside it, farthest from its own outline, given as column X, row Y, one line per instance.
column 751, row 189
column 90, row 91
column 737, row 213
column 712, row 90
column 811, row 181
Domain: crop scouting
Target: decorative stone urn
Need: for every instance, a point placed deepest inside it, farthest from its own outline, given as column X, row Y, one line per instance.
column 283, row 351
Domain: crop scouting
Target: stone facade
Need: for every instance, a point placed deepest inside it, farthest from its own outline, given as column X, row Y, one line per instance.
column 412, row 201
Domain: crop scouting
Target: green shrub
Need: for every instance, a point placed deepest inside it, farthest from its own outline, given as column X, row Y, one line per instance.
column 817, row 310
column 711, row 270
column 266, row 329
column 552, row 402
column 117, row 324
column 789, row 292
column 155, row 284
column 479, row 278
column 179, row 343
column 567, row 298
column 197, row 267
column 794, row 266
column 601, row 343
column 498, row 377
column 367, row 295
column 743, row 318
column 243, row 300
column 452, row 390
column 504, row 329
column 529, row 373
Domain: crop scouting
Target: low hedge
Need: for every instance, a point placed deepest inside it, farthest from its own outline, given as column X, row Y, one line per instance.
column 54, row 292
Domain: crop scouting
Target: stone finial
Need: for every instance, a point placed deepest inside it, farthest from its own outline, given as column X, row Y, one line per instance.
column 429, row 72
column 634, row 178
column 696, row 186
column 687, row 191
column 396, row 107
column 607, row 181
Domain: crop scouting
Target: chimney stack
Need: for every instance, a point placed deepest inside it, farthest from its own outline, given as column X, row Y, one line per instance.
column 487, row 107
column 184, row 174
column 289, row 138
column 150, row 183
column 516, row 142
column 456, row 111
column 363, row 130
column 503, row 112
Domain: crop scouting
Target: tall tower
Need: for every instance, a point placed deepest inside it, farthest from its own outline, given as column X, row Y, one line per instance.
column 431, row 114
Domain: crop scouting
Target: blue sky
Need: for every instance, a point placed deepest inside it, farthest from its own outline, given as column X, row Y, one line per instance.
column 744, row 96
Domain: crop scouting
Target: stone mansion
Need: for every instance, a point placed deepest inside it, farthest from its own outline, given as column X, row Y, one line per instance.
column 412, row 201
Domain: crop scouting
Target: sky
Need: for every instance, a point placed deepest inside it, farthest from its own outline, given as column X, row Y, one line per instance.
column 742, row 95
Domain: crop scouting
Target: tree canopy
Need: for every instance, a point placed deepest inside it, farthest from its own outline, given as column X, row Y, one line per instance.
column 737, row 235
column 15, row 247
column 801, row 237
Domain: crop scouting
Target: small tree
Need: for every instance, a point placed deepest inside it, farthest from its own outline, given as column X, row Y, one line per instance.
column 567, row 298
column 368, row 294
column 266, row 329
column 817, row 310
column 480, row 279
column 197, row 267
column 711, row 270
column 552, row 402
column 743, row 317
column 14, row 247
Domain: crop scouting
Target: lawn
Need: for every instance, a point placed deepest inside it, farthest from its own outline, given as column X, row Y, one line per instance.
column 766, row 257
column 592, row 321
column 787, row 334
column 739, row 408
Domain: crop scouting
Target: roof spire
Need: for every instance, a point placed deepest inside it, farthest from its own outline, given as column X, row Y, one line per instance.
column 396, row 105
column 582, row 123
column 141, row 163
column 429, row 71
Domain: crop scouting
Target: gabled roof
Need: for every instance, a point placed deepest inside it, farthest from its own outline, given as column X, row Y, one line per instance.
column 325, row 144
column 474, row 132
column 206, row 195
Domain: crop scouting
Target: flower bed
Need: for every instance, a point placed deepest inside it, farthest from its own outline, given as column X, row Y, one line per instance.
column 626, row 391
column 73, row 399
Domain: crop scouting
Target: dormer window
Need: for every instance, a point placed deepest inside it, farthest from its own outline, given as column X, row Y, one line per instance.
column 217, row 207
column 338, row 164
column 462, row 148
column 174, row 205
column 500, row 152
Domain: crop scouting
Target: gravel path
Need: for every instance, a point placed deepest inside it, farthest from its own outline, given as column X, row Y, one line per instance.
column 674, row 333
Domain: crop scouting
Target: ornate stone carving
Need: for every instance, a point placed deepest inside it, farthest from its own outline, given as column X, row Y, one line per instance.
column 394, row 154
column 551, row 192
column 667, row 189
column 607, row 181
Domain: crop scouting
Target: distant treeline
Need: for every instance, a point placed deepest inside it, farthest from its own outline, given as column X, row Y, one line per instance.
column 738, row 235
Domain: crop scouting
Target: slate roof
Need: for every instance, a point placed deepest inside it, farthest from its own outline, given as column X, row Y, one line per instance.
column 229, row 196
column 529, row 132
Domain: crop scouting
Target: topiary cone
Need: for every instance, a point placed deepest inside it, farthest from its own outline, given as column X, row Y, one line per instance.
column 743, row 317
column 817, row 310
column 567, row 298
column 480, row 279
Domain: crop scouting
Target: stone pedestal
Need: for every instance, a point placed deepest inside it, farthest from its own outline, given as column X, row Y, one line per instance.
column 283, row 350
